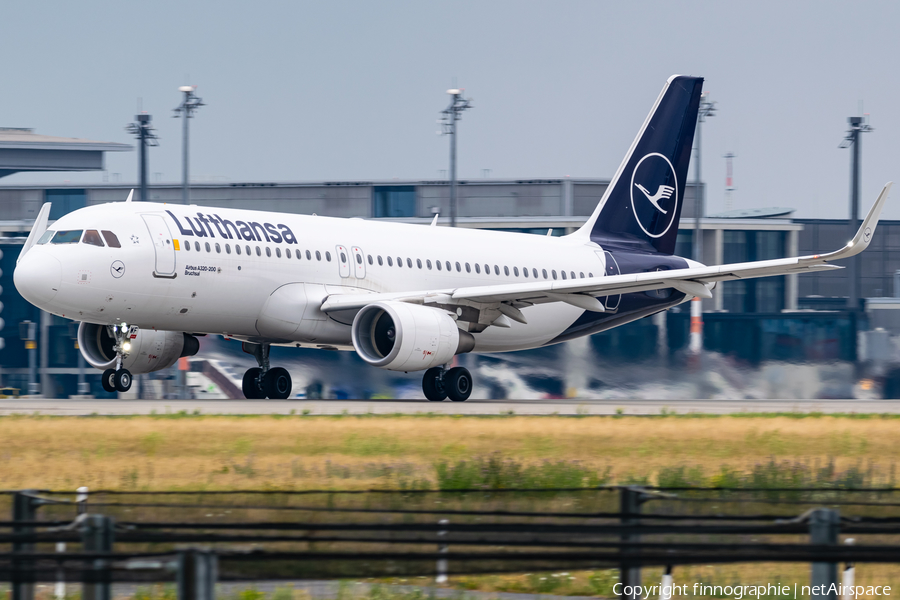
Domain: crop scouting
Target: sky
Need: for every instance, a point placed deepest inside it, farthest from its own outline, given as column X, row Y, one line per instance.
column 341, row 90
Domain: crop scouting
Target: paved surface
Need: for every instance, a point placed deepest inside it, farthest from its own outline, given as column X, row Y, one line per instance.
column 472, row 407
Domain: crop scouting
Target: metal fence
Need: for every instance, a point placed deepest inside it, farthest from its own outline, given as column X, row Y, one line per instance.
column 199, row 538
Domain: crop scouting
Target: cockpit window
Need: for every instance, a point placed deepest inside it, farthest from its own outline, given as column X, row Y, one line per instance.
column 46, row 237
column 92, row 237
column 67, row 237
column 111, row 240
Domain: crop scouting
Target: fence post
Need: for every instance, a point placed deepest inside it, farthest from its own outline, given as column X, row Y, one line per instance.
column 22, row 577
column 824, row 526
column 630, row 500
column 665, row 592
column 849, row 578
column 198, row 571
column 442, row 549
column 96, row 536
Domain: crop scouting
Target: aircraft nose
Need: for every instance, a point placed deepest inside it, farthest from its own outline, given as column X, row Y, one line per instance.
column 38, row 277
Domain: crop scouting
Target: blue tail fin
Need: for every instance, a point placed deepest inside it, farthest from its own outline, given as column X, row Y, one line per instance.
column 642, row 205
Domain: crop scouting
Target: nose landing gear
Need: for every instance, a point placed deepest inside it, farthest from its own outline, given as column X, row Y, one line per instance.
column 455, row 383
column 264, row 382
column 118, row 379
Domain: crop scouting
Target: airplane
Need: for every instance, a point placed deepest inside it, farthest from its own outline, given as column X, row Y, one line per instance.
column 145, row 279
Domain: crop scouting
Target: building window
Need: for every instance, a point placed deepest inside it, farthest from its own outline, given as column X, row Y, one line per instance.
column 64, row 201
column 394, row 201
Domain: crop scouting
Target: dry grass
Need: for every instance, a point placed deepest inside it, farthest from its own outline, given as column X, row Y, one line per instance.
column 358, row 452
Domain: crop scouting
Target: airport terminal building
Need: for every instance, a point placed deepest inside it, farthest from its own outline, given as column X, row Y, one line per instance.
column 808, row 308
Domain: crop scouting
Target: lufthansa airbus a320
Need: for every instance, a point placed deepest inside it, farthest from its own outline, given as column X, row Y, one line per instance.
column 144, row 279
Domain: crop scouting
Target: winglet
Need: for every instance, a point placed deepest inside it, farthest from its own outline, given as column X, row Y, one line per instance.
column 37, row 230
column 130, row 194
column 434, row 220
column 862, row 238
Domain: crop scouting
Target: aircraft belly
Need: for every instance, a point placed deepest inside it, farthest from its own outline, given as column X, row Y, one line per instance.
column 545, row 322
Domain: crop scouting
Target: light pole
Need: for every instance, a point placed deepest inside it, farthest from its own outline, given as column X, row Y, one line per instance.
column 857, row 126
column 707, row 109
column 185, row 111
column 143, row 131
column 452, row 114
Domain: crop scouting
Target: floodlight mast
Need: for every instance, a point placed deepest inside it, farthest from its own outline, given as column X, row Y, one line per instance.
column 707, row 109
column 858, row 125
column 185, row 111
column 452, row 114
column 143, row 131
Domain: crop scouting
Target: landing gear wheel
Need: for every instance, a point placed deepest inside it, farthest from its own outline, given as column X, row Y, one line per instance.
column 250, row 385
column 122, row 380
column 433, row 384
column 458, row 383
column 108, row 380
column 277, row 383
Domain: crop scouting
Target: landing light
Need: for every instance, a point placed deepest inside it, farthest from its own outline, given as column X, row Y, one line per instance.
column 126, row 346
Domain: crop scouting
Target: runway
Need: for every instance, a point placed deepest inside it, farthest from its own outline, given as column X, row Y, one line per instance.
column 87, row 407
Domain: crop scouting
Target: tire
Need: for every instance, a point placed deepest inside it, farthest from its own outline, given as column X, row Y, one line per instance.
column 249, row 385
column 433, row 385
column 277, row 384
column 458, row 383
column 123, row 380
column 108, row 380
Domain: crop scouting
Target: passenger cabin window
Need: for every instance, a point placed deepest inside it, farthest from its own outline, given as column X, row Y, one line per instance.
column 258, row 251
column 237, row 249
column 227, row 248
column 477, row 268
column 207, row 247
column 447, row 264
column 328, row 256
column 67, row 237
column 318, row 255
column 437, row 263
column 92, row 237
column 299, row 255
column 409, row 263
column 390, row 262
column 218, row 249
column 268, row 252
column 111, row 240
column 278, row 252
column 187, row 246
column 197, row 246
column 419, row 262
column 46, row 237
column 371, row 260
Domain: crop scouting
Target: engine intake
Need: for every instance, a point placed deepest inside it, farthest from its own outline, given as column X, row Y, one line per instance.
column 150, row 351
column 407, row 337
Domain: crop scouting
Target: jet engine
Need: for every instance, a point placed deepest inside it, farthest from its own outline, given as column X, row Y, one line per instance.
column 151, row 350
column 407, row 337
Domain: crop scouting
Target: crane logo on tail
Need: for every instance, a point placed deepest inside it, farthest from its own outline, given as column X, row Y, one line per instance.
column 664, row 192
column 654, row 212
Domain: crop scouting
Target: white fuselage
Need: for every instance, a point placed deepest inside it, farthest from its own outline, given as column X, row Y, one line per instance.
column 155, row 281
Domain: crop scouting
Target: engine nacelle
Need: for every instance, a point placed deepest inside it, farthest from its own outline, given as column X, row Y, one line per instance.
column 150, row 351
column 407, row 337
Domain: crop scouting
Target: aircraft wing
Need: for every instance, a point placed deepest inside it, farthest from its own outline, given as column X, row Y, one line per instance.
column 584, row 292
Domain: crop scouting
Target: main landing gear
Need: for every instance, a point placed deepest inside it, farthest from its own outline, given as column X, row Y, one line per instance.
column 118, row 379
column 264, row 382
column 439, row 384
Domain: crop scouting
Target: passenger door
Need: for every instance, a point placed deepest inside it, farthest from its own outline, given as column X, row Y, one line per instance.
column 162, row 245
column 612, row 268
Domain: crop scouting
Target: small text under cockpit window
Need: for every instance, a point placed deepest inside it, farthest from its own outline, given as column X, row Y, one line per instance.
column 92, row 237
column 46, row 237
column 111, row 240
column 67, row 237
